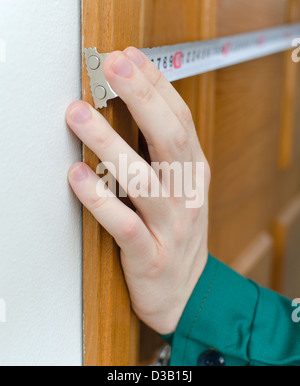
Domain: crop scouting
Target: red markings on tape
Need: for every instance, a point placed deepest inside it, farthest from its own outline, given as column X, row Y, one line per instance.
column 226, row 49
column 177, row 61
column 261, row 41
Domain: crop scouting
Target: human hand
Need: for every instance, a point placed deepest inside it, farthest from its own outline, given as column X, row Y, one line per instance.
column 164, row 244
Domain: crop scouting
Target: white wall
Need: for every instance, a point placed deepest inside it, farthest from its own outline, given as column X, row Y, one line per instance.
column 40, row 219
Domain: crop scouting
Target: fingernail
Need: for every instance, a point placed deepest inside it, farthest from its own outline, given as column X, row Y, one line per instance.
column 81, row 113
column 135, row 56
column 78, row 174
column 122, row 66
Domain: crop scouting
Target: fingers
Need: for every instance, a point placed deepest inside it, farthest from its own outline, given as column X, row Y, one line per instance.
column 167, row 138
column 99, row 136
column 162, row 85
column 121, row 222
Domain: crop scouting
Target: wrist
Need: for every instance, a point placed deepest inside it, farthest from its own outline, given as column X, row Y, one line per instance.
column 167, row 322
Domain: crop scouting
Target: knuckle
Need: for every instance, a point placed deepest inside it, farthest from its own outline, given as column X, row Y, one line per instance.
column 185, row 117
column 98, row 204
column 156, row 77
column 181, row 140
column 156, row 267
column 105, row 140
column 129, row 229
column 145, row 94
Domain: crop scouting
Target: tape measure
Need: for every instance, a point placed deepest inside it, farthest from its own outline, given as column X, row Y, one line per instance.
column 181, row 61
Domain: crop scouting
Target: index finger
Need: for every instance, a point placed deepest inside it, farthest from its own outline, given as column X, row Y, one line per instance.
column 167, row 138
column 162, row 85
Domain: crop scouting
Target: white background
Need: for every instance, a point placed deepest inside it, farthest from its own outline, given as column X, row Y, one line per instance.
column 40, row 219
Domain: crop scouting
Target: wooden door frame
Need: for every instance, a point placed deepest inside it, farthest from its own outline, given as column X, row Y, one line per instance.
column 110, row 328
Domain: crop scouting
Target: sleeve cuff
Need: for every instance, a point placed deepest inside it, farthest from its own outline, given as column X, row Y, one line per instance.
column 219, row 315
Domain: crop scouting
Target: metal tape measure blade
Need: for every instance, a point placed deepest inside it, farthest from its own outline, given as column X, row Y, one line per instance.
column 181, row 61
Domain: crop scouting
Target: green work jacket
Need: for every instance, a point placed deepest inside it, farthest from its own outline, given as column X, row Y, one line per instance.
column 232, row 321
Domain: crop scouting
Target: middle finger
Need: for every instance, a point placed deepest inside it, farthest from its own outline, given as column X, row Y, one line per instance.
column 167, row 139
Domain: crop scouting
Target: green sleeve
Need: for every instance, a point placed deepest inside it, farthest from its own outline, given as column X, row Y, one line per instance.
column 247, row 324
